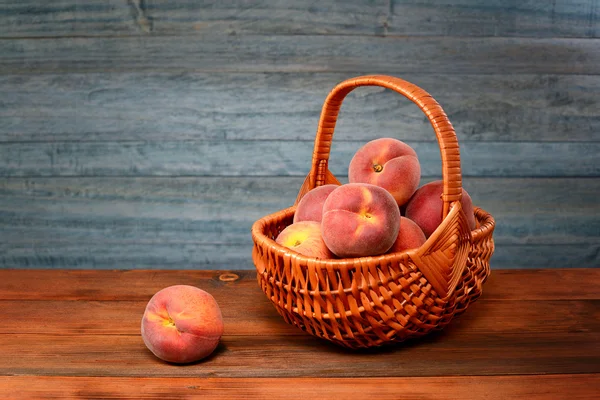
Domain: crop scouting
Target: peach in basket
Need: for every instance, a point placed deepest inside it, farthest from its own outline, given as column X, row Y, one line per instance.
column 360, row 219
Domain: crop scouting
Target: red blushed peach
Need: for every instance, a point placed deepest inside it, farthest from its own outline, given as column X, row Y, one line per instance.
column 389, row 163
column 425, row 207
column 182, row 324
column 310, row 206
column 360, row 219
column 409, row 237
column 305, row 238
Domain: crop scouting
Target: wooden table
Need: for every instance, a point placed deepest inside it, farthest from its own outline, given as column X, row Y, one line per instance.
column 76, row 334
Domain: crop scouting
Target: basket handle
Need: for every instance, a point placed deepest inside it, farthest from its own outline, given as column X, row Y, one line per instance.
column 451, row 173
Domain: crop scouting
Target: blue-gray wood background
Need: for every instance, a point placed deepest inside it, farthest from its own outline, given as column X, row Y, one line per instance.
column 153, row 133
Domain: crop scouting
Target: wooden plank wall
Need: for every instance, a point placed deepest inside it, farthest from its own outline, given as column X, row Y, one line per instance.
column 152, row 133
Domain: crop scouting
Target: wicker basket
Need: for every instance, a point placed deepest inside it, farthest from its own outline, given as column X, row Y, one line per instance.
column 372, row 301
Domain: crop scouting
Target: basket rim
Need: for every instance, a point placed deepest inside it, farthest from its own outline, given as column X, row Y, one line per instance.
column 259, row 238
column 485, row 227
column 480, row 231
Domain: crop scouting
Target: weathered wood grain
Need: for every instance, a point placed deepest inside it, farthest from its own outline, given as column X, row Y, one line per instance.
column 547, row 256
column 185, row 17
column 123, row 255
column 221, row 210
column 527, row 285
column 534, row 387
column 281, row 158
column 304, row 53
column 205, row 222
column 275, row 106
column 101, row 90
column 451, row 352
column 562, row 18
column 30, row 18
column 187, row 211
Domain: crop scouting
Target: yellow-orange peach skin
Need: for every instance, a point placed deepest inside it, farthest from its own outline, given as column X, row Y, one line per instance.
column 389, row 163
column 182, row 324
column 360, row 219
column 305, row 238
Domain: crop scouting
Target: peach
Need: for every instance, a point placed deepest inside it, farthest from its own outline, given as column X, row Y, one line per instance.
column 389, row 163
column 182, row 324
column 305, row 238
column 425, row 207
column 360, row 219
column 409, row 237
column 310, row 206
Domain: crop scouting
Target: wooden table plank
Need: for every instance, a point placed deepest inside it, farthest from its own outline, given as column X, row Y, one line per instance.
column 532, row 387
column 259, row 317
column 64, row 284
column 140, row 285
column 450, row 353
column 74, row 333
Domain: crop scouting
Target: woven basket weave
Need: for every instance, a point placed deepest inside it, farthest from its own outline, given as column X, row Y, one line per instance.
column 372, row 301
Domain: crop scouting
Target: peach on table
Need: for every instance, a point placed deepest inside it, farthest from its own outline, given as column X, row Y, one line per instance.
column 182, row 324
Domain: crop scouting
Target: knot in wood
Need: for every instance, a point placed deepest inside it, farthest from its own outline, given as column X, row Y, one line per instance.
column 229, row 277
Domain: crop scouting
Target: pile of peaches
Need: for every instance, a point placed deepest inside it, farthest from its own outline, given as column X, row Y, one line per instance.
column 380, row 210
